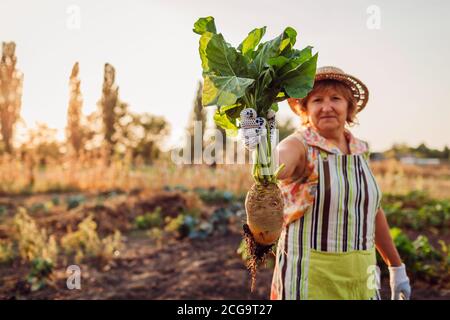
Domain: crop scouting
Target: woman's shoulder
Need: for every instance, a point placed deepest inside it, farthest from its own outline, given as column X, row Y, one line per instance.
column 295, row 138
column 357, row 145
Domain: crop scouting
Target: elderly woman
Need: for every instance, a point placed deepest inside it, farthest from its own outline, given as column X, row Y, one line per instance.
column 332, row 214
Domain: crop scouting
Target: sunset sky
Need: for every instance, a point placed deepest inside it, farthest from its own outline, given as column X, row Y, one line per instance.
column 405, row 63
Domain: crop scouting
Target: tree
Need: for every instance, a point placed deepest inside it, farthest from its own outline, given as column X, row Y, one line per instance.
column 74, row 129
column 11, row 82
column 39, row 149
column 114, row 113
column 43, row 144
column 146, row 134
column 446, row 153
column 197, row 122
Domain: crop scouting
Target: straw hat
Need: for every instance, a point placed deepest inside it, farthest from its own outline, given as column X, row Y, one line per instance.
column 359, row 89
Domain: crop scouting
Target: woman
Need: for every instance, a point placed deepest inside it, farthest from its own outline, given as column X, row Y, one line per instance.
column 332, row 213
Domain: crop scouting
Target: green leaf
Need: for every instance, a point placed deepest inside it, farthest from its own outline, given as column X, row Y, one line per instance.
column 251, row 41
column 224, row 122
column 289, row 39
column 281, row 94
column 223, row 109
column 266, row 51
column 218, row 57
column 265, row 79
column 249, row 77
column 205, row 25
column 223, row 91
column 234, row 113
column 277, row 62
column 295, row 53
column 300, row 81
column 274, row 107
column 296, row 59
column 204, row 40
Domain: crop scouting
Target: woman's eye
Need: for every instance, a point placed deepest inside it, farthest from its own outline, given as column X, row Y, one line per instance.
column 317, row 100
column 336, row 98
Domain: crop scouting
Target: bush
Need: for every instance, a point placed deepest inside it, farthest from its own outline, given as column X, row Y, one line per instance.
column 179, row 226
column 421, row 257
column 7, row 253
column 213, row 196
column 41, row 270
column 74, row 201
column 35, row 247
column 33, row 243
column 149, row 220
column 418, row 213
column 86, row 243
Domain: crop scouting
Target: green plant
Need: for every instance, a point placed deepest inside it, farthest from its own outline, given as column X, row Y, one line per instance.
column 41, row 269
column 421, row 257
column 181, row 226
column 3, row 210
column 417, row 211
column 74, row 201
column 55, row 200
column 33, row 243
column 253, row 75
column 156, row 234
column 7, row 253
column 424, row 250
column 214, row 196
column 149, row 220
column 35, row 247
column 86, row 243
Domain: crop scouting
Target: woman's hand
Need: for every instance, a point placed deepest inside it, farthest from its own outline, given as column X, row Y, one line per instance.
column 253, row 129
column 399, row 281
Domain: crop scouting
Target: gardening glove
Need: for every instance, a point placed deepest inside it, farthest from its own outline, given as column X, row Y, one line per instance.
column 399, row 281
column 253, row 129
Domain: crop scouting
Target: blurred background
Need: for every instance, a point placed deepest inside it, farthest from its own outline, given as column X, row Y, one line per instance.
column 94, row 96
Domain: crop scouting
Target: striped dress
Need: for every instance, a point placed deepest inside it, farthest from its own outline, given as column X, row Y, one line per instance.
column 330, row 212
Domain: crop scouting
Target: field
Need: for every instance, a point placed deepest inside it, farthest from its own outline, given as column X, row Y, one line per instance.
column 173, row 232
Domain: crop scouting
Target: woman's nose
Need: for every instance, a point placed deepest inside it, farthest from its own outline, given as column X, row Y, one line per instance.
column 327, row 106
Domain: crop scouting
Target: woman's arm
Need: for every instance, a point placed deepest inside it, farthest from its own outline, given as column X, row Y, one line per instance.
column 383, row 241
column 292, row 153
column 398, row 279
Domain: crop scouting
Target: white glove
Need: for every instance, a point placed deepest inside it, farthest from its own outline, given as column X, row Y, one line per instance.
column 399, row 281
column 253, row 129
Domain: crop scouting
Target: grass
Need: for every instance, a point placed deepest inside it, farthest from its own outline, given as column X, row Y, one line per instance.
column 93, row 175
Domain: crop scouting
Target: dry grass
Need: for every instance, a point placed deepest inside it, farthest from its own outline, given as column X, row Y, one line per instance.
column 397, row 178
column 92, row 175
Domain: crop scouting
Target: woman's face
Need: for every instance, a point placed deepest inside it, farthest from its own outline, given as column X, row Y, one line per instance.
column 327, row 111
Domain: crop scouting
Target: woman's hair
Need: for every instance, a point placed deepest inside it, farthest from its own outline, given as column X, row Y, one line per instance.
column 324, row 86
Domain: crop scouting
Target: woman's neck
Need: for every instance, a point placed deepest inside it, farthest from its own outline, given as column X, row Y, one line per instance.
column 338, row 138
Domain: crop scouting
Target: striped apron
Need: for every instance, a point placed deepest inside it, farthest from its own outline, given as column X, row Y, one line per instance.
column 329, row 253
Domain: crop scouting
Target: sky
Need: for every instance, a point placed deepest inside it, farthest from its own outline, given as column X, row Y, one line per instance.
column 399, row 49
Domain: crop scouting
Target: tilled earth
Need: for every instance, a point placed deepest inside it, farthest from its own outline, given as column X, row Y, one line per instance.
column 187, row 269
column 175, row 269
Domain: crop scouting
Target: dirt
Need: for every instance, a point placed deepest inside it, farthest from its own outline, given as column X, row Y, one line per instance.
column 114, row 213
column 177, row 269
column 188, row 269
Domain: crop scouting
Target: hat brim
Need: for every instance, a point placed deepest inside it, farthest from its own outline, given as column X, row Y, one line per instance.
column 358, row 88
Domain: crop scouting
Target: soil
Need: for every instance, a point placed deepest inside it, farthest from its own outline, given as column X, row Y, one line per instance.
column 175, row 269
